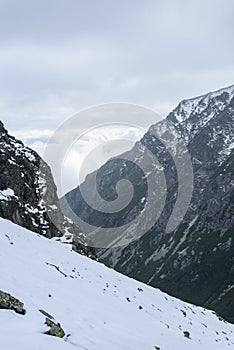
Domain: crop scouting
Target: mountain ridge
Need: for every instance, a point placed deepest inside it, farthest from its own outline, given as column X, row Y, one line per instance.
column 207, row 229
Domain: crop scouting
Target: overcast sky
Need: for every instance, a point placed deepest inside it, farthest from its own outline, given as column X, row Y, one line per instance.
column 60, row 56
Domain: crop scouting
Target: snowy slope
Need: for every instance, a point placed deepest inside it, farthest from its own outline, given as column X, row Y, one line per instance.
column 90, row 302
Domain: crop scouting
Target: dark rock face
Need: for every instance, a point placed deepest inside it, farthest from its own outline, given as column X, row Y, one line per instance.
column 28, row 194
column 195, row 261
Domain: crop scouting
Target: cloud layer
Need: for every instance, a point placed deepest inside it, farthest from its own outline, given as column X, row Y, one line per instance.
column 58, row 57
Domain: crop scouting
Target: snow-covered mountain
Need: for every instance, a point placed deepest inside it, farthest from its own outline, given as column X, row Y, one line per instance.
column 208, row 118
column 195, row 261
column 89, row 306
column 28, row 195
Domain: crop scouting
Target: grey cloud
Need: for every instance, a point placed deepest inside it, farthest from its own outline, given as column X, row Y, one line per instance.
column 57, row 56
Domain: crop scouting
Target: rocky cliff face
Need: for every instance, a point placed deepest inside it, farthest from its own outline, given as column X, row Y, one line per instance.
column 28, row 194
column 195, row 261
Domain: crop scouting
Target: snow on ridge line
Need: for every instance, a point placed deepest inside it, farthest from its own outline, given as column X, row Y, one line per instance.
column 187, row 106
column 215, row 93
column 100, row 308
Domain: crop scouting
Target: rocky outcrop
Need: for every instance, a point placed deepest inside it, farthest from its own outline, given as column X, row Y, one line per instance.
column 8, row 302
column 28, row 195
column 55, row 329
column 195, row 261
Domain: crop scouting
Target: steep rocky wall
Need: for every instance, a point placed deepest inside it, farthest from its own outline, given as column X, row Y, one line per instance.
column 28, row 195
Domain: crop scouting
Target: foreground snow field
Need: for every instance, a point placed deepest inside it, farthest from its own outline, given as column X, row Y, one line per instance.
column 98, row 308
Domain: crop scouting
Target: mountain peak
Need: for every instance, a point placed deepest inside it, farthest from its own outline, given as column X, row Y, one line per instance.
column 218, row 99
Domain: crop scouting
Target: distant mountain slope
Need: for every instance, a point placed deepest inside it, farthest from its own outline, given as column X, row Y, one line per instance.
column 28, row 194
column 195, row 261
column 96, row 307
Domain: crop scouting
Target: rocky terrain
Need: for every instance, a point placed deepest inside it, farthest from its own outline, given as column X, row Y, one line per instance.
column 195, row 261
column 28, row 195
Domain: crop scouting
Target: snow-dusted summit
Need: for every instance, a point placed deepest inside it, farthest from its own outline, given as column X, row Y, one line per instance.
column 192, row 116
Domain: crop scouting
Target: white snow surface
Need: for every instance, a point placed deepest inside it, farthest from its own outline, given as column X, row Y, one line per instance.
column 90, row 302
column 7, row 194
